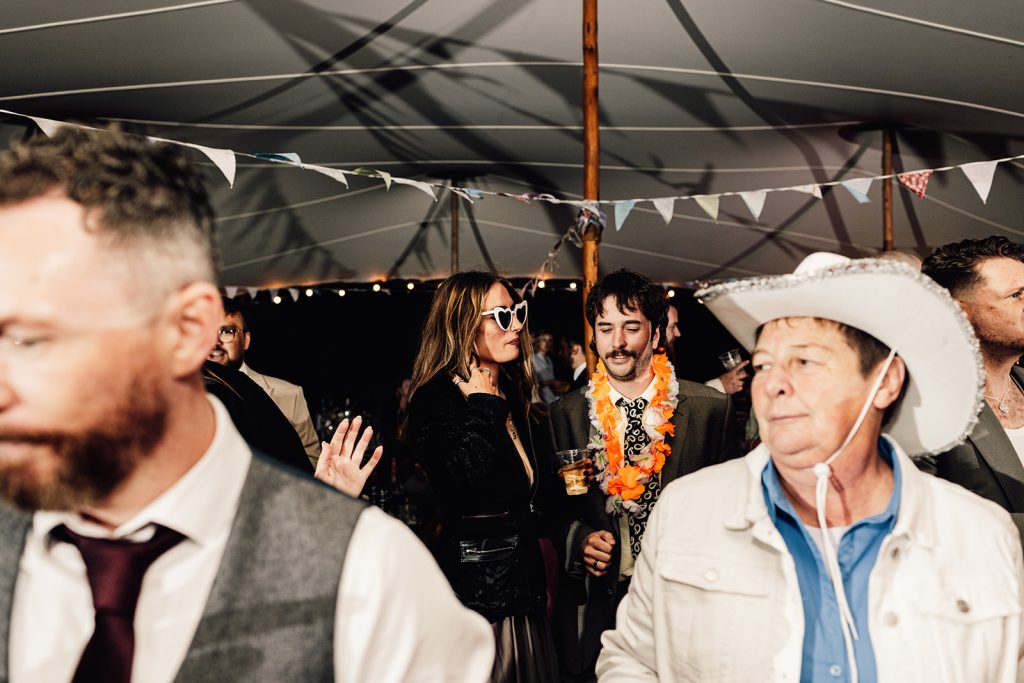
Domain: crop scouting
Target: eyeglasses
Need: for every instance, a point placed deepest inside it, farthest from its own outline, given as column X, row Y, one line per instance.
column 504, row 316
column 227, row 334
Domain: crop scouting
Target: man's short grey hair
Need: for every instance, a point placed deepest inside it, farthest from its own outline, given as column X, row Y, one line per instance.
column 143, row 199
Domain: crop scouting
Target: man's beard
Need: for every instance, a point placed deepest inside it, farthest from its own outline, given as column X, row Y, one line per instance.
column 85, row 467
column 640, row 364
column 996, row 345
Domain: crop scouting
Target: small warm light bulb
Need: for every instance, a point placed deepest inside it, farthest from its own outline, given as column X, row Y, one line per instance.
column 541, row 285
column 376, row 286
column 572, row 286
column 410, row 286
column 341, row 292
column 276, row 299
column 309, row 292
column 671, row 293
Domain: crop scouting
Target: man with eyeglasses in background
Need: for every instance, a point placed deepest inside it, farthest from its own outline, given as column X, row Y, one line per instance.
column 233, row 340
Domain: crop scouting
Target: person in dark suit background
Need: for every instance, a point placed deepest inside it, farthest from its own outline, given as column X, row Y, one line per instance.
column 257, row 418
column 986, row 277
column 578, row 361
column 634, row 389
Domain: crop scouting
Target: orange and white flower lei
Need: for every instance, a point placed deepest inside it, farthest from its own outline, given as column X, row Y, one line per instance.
column 624, row 478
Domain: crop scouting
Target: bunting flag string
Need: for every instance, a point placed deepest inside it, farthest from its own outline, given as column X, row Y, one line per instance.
column 979, row 173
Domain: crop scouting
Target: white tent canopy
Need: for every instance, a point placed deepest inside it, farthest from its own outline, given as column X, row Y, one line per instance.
column 702, row 97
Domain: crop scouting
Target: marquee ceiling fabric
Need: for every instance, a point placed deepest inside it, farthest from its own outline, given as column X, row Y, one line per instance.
column 701, row 97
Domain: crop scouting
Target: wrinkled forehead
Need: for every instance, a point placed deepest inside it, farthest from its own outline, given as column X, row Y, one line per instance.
column 799, row 330
column 53, row 268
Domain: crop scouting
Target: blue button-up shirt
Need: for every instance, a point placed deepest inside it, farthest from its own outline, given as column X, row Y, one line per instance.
column 824, row 652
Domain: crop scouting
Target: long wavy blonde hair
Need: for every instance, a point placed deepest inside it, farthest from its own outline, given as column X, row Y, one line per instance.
column 449, row 333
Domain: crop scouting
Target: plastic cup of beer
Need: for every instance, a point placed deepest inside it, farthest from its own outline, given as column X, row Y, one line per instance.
column 573, row 469
column 730, row 359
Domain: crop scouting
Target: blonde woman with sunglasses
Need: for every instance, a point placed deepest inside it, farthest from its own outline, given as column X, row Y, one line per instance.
column 470, row 427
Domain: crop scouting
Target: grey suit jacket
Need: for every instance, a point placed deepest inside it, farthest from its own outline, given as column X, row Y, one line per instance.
column 705, row 434
column 986, row 463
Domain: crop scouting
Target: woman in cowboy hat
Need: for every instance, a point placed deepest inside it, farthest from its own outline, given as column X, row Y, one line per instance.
column 824, row 554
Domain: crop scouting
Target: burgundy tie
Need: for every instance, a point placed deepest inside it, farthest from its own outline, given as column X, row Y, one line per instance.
column 115, row 570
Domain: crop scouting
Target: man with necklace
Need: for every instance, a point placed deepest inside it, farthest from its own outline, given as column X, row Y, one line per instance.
column 646, row 428
column 986, row 277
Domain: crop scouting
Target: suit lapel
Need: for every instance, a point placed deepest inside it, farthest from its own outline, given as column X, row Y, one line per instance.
column 681, row 420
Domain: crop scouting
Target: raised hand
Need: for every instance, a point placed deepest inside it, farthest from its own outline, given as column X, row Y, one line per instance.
column 481, row 381
column 339, row 460
column 733, row 380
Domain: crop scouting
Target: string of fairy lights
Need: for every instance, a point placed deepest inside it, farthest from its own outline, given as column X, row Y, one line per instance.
column 294, row 295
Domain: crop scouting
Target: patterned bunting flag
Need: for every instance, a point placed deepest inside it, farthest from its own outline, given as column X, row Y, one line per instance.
column 915, row 182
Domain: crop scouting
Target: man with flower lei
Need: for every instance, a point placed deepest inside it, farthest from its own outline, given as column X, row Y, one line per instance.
column 646, row 428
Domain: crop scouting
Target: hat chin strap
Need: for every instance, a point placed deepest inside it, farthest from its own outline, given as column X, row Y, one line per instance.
column 823, row 472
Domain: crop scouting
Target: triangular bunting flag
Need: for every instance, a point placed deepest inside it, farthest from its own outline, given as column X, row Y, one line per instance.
column 708, row 202
column 335, row 173
column 280, row 157
column 666, row 206
column 253, row 291
column 754, row 201
column 294, row 293
column 622, row 210
column 980, row 174
column 231, row 291
column 48, row 126
column 469, row 194
column 858, row 188
column 419, row 185
column 224, row 159
column 915, row 182
column 811, row 188
column 374, row 173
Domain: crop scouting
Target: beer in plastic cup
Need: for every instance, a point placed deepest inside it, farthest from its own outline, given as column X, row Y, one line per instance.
column 574, row 470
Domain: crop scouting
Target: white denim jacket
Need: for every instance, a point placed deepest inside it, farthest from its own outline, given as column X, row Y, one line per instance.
column 715, row 595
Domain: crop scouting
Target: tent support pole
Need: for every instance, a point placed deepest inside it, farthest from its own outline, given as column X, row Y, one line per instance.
column 887, row 189
column 591, row 161
column 455, row 231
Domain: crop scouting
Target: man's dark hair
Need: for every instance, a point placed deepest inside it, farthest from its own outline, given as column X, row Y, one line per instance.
column 232, row 307
column 631, row 291
column 955, row 265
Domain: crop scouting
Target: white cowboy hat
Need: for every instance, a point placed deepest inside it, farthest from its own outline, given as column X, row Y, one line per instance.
column 895, row 304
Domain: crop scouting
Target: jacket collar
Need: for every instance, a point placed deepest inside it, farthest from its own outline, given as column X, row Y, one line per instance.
column 914, row 519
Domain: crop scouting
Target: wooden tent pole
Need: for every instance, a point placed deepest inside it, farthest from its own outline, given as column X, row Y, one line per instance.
column 591, row 160
column 887, row 189
column 455, row 231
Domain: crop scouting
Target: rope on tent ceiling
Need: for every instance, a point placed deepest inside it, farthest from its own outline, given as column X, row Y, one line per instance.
column 477, row 65
column 111, row 17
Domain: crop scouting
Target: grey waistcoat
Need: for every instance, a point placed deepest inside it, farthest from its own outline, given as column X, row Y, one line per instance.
column 271, row 611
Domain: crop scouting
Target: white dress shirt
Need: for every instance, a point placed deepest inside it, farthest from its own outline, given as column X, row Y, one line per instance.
column 396, row 620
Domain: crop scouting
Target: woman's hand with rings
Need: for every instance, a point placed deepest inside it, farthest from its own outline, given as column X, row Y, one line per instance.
column 481, row 381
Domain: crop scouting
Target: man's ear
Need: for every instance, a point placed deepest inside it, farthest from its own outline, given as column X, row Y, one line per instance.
column 246, row 339
column 194, row 315
column 892, row 384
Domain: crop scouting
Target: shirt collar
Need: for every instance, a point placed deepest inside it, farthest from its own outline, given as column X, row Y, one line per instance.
column 648, row 393
column 201, row 505
column 777, row 501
